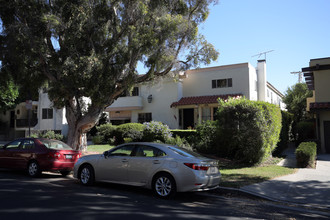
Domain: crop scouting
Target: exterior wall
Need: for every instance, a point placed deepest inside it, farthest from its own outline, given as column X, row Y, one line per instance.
column 262, row 80
column 199, row 81
column 321, row 83
column 164, row 93
column 58, row 122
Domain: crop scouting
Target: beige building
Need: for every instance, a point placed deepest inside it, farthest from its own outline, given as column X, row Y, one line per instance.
column 188, row 100
column 317, row 77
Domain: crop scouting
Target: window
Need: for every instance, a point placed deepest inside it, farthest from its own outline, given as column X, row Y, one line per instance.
column 148, row 151
column 47, row 113
column 13, row 145
column 206, row 114
column 123, row 151
column 135, row 91
column 222, row 83
column 28, row 145
column 144, row 117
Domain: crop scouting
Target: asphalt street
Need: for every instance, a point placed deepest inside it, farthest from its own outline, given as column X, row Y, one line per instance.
column 54, row 197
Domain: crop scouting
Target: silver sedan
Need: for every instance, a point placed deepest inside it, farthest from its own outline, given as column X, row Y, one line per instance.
column 165, row 169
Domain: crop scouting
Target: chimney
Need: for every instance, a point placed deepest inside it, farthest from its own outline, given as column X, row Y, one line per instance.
column 262, row 80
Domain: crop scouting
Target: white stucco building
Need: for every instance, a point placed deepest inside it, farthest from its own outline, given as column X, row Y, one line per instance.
column 191, row 99
column 43, row 117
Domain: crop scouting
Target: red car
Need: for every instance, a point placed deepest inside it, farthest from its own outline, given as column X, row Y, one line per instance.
column 38, row 154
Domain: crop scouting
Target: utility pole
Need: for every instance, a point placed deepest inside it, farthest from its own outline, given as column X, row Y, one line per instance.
column 299, row 75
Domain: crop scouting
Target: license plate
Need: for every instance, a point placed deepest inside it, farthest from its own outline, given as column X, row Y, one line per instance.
column 68, row 156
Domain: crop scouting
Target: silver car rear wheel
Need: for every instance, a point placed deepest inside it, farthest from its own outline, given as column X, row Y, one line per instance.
column 164, row 185
column 87, row 175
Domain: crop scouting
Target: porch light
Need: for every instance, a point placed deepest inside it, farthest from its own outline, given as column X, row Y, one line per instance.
column 149, row 98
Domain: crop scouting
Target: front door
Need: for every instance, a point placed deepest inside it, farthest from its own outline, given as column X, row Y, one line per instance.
column 327, row 136
column 188, row 118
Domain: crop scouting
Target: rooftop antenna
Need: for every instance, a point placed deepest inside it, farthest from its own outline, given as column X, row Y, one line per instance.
column 299, row 75
column 263, row 53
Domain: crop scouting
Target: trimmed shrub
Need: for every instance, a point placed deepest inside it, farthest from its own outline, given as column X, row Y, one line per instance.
column 181, row 142
column 247, row 131
column 306, row 154
column 133, row 131
column 154, row 131
column 97, row 139
column 48, row 135
column 106, row 132
column 205, row 138
column 305, row 131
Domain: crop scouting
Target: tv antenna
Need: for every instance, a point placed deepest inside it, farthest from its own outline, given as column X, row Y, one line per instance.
column 262, row 53
column 299, row 75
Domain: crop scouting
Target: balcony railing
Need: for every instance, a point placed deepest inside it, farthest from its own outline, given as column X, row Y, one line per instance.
column 24, row 123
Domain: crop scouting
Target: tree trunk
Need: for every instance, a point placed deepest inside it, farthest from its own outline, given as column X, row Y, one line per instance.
column 80, row 124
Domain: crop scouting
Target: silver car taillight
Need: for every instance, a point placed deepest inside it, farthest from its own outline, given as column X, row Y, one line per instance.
column 196, row 166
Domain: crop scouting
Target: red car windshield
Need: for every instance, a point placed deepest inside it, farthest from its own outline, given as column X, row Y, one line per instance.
column 55, row 144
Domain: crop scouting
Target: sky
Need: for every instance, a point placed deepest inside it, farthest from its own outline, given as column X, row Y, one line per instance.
column 296, row 31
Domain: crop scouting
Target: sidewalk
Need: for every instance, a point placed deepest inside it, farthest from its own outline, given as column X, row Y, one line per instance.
column 309, row 187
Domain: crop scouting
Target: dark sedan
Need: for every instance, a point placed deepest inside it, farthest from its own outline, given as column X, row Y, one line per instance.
column 38, row 154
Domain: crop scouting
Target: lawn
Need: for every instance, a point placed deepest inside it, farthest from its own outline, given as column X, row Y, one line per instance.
column 99, row 148
column 236, row 175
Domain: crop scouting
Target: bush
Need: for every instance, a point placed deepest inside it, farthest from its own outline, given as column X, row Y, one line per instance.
column 154, row 131
column 306, row 154
column 180, row 142
column 133, row 131
column 247, row 131
column 287, row 119
column 305, row 131
column 97, row 139
column 48, row 135
column 205, row 137
column 106, row 132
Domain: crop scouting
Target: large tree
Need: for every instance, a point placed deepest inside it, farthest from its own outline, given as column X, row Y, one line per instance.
column 295, row 100
column 92, row 48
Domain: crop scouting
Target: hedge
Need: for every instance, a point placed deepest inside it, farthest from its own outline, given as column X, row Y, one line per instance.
column 247, row 131
column 306, row 154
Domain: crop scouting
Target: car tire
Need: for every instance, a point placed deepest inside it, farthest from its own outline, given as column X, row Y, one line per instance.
column 65, row 173
column 34, row 169
column 86, row 175
column 164, row 185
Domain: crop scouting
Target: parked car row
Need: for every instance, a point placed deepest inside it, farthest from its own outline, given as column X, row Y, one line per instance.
column 165, row 169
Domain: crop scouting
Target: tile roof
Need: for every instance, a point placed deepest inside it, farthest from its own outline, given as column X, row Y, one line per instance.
column 195, row 100
column 319, row 106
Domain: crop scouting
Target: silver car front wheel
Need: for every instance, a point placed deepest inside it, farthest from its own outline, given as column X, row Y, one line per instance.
column 87, row 175
column 164, row 185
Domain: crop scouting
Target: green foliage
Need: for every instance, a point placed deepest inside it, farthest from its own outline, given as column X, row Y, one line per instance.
column 205, row 138
column 131, row 131
column 47, row 134
column 8, row 93
column 187, row 135
column 306, row 154
column 154, row 131
column 74, row 44
column 305, row 131
column 247, row 130
column 178, row 141
column 105, row 133
column 287, row 119
column 295, row 100
column 97, row 139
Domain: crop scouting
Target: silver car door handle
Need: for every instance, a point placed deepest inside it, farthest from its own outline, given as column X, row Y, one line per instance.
column 124, row 160
column 156, row 162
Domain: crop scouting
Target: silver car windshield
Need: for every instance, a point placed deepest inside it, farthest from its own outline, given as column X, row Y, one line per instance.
column 55, row 144
column 185, row 152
